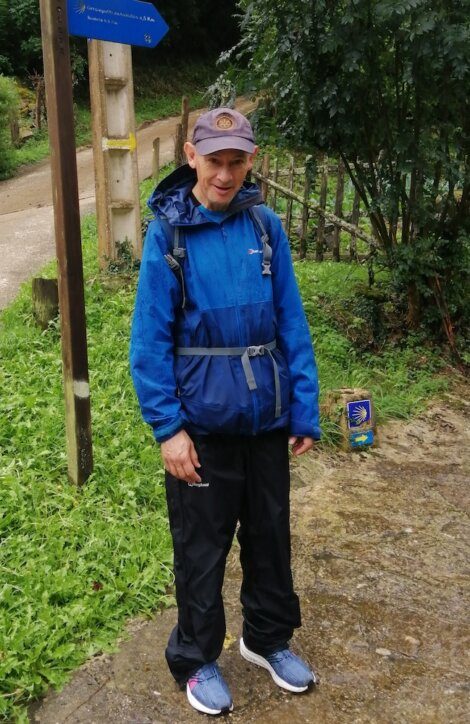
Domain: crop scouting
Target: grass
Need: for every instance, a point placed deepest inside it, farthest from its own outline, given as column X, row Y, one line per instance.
column 75, row 564
column 401, row 378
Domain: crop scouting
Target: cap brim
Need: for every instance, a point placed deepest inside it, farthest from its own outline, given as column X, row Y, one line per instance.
column 224, row 143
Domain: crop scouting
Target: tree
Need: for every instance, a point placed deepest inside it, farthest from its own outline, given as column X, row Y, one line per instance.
column 385, row 85
column 21, row 36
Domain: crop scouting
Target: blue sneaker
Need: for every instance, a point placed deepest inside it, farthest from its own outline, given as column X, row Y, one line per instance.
column 208, row 692
column 288, row 670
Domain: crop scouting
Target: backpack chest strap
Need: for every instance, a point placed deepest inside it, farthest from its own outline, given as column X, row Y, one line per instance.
column 245, row 353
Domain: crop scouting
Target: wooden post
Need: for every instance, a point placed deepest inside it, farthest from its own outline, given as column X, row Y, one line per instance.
column 184, row 117
column 114, row 149
column 288, row 220
column 265, row 172
column 276, row 176
column 45, row 294
column 304, row 226
column 39, row 103
column 179, row 152
column 15, row 132
column 338, row 211
column 321, row 221
column 356, row 210
column 156, row 159
column 58, row 77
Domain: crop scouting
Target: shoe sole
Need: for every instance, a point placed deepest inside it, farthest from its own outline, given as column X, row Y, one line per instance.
column 260, row 661
column 200, row 707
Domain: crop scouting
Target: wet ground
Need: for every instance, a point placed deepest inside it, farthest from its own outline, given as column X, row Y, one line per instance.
column 380, row 559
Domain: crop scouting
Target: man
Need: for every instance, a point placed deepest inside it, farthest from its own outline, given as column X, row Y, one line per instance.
column 224, row 370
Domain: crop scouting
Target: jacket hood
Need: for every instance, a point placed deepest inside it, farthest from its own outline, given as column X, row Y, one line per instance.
column 172, row 198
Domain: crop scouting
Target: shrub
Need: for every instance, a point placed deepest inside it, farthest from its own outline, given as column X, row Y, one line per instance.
column 9, row 108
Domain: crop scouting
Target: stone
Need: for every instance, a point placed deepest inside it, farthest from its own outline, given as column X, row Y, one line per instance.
column 383, row 652
column 335, row 407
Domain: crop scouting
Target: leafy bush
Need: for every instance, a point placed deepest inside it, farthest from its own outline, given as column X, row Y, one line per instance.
column 385, row 86
column 9, row 108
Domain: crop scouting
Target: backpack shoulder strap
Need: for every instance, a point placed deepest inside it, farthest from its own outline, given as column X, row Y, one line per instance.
column 176, row 242
column 260, row 220
column 174, row 237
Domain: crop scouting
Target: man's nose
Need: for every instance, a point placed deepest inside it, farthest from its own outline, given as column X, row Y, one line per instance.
column 225, row 174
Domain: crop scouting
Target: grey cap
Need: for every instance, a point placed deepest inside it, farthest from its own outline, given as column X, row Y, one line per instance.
column 221, row 129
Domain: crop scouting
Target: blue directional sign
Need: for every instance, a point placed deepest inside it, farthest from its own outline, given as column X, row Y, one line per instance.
column 121, row 21
column 359, row 413
column 358, row 439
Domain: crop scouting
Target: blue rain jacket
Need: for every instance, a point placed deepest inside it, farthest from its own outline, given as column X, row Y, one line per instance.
column 228, row 304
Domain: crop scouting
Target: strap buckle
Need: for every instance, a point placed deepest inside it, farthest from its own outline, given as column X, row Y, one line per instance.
column 255, row 351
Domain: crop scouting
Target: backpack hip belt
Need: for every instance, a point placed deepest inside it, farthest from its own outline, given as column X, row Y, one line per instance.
column 245, row 353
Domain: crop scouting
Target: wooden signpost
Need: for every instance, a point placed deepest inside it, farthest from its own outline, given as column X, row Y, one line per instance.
column 58, row 77
column 127, row 21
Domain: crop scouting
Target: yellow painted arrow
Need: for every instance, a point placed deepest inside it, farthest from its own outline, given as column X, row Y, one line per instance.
column 361, row 438
column 120, row 144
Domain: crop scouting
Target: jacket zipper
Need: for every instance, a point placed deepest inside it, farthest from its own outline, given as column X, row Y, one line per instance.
column 242, row 340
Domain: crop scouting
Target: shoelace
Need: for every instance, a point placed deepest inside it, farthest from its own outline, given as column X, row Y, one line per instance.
column 205, row 674
column 278, row 656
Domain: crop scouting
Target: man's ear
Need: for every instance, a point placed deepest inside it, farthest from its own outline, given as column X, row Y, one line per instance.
column 252, row 157
column 190, row 152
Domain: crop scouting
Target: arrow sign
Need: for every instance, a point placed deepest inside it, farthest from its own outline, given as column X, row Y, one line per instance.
column 131, row 22
column 358, row 439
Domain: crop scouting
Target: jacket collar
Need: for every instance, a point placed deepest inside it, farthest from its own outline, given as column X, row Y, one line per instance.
column 172, row 198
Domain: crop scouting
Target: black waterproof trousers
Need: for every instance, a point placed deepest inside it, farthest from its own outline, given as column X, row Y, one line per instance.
column 244, row 479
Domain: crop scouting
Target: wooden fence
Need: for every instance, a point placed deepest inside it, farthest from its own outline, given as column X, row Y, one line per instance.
column 309, row 199
column 301, row 198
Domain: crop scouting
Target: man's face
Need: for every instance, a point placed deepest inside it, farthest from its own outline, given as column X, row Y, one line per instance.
column 219, row 175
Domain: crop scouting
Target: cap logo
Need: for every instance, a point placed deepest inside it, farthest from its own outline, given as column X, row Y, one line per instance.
column 224, row 122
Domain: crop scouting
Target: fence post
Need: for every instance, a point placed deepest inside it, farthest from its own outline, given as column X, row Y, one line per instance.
column 45, row 295
column 185, row 117
column 179, row 143
column 356, row 210
column 321, row 221
column 288, row 220
column 276, row 176
column 304, row 227
column 338, row 211
column 265, row 172
column 15, row 132
column 156, row 159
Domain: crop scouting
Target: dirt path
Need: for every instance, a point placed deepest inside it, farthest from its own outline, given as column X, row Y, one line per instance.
column 380, row 558
column 26, row 215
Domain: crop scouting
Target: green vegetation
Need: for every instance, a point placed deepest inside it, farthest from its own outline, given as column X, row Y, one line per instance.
column 9, row 106
column 353, row 330
column 384, row 86
column 76, row 564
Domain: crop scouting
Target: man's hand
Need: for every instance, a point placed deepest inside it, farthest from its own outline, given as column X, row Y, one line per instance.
column 180, row 457
column 300, row 445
